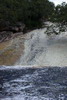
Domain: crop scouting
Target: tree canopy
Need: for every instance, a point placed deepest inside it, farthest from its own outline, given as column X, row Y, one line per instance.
column 31, row 12
column 61, row 12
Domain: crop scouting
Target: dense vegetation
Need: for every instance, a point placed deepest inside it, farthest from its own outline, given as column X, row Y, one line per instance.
column 30, row 12
column 60, row 13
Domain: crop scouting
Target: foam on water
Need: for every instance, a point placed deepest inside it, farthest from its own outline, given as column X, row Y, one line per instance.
column 34, row 84
column 44, row 50
column 3, row 67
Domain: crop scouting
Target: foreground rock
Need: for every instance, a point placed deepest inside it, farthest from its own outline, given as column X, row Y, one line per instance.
column 8, row 32
column 6, row 26
column 11, row 50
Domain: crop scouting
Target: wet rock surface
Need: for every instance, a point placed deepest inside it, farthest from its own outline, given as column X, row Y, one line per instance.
column 33, row 84
column 8, row 31
column 10, row 51
column 39, row 47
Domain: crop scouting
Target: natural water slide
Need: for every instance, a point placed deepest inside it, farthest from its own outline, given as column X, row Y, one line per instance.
column 45, row 48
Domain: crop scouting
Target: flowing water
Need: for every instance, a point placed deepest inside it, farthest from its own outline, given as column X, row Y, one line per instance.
column 33, row 83
column 25, row 81
column 45, row 50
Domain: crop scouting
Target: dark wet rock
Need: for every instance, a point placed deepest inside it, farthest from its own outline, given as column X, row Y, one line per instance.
column 5, row 35
column 19, row 27
column 55, row 28
column 7, row 30
column 6, row 26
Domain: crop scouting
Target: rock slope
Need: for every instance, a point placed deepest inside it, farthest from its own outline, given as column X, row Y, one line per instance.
column 46, row 48
column 41, row 47
column 11, row 50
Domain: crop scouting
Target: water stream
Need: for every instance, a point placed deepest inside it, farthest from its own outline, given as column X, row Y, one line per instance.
column 25, row 81
column 42, row 49
column 33, row 83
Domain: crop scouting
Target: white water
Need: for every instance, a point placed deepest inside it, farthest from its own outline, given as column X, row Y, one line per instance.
column 34, row 84
column 44, row 50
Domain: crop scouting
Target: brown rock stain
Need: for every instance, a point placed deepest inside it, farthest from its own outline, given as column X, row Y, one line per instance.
column 10, row 51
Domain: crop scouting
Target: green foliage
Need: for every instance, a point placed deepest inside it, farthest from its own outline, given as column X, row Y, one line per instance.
column 61, row 12
column 30, row 12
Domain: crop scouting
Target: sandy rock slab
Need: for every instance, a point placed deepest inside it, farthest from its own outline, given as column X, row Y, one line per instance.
column 11, row 50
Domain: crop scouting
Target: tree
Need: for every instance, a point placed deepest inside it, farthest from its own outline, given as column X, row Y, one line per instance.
column 30, row 12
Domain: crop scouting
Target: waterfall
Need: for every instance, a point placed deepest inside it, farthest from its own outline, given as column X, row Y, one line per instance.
column 44, row 49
